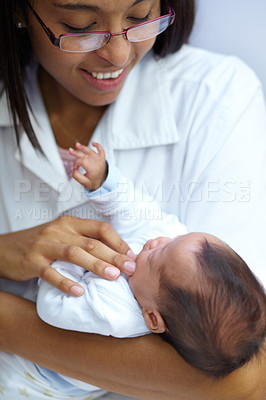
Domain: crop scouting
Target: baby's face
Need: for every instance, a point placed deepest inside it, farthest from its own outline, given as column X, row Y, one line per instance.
column 175, row 256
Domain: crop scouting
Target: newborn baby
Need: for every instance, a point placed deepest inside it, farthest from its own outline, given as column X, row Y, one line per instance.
column 192, row 289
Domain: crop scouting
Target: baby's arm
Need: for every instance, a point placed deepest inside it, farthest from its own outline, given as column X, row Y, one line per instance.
column 92, row 162
column 106, row 308
column 134, row 214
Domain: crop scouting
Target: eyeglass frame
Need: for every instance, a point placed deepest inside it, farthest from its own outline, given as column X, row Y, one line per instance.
column 56, row 41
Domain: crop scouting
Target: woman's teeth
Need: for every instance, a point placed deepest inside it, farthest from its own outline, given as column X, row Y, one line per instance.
column 107, row 75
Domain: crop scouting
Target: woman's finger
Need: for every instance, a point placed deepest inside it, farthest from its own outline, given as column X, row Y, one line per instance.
column 62, row 283
column 105, row 253
column 76, row 255
column 81, row 250
column 98, row 230
column 96, row 238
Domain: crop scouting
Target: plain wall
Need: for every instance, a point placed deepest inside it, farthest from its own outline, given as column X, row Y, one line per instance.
column 235, row 27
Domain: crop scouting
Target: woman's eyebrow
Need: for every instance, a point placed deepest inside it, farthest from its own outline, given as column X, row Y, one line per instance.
column 82, row 6
column 136, row 2
column 76, row 6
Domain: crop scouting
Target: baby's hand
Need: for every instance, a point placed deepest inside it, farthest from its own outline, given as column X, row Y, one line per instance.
column 94, row 164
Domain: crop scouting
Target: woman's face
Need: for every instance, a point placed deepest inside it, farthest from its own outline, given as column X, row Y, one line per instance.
column 73, row 71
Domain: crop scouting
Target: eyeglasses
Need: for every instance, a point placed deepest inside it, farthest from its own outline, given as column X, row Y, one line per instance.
column 90, row 41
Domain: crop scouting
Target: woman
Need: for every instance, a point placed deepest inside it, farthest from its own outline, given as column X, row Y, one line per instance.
column 186, row 126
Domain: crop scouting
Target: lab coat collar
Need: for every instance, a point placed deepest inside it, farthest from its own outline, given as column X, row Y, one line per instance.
column 144, row 106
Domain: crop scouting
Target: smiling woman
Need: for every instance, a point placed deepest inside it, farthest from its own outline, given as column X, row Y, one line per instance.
column 169, row 116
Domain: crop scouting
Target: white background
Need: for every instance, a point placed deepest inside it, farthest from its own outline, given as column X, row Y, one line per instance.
column 234, row 27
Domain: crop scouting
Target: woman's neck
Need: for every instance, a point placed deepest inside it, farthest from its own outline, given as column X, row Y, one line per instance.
column 71, row 119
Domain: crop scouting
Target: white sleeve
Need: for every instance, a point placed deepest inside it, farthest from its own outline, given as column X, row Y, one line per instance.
column 106, row 307
column 226, row 169
column 135, row 215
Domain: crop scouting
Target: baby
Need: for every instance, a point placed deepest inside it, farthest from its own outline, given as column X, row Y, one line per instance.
column 192, row 289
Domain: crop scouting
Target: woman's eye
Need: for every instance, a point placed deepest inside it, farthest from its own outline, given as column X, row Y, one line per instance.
column 88, row 28
column 72, row 29
column 140, row 20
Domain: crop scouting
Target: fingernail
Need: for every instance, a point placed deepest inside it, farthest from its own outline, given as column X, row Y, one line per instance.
column 129, row 267
column 76, row 291
column 132, row 255
column 112, row 272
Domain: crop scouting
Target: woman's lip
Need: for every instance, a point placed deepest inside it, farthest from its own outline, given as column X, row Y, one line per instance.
column 105, row 85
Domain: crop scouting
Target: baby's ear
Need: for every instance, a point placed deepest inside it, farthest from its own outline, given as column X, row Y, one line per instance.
column 154, row 320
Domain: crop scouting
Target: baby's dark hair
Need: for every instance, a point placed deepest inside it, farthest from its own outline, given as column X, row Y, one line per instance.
column 220, row 324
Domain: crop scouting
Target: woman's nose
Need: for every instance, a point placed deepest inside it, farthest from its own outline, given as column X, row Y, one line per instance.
column 116, row 51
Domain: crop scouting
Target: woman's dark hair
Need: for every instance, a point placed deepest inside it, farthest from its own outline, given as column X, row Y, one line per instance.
column 16, row 52
column 219, row 323
column 178, row 33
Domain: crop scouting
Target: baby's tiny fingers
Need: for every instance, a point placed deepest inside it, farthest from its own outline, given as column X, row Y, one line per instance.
column 85, row 149
column 82, row 179
column 75, row 153
column 99, row 148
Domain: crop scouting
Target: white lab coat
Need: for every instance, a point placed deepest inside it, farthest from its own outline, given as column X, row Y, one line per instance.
column 189, row 129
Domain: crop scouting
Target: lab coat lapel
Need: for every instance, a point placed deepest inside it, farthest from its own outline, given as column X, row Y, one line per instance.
column 143, row 115
column 49, row 169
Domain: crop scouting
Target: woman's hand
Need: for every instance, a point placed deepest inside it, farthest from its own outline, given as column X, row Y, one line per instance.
column 94, row 245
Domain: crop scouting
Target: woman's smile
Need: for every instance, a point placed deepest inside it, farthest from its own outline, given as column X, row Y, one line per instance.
column 105, row 81
column 107, row 75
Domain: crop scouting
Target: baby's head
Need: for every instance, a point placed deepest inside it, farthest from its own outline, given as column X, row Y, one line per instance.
column 203, row 299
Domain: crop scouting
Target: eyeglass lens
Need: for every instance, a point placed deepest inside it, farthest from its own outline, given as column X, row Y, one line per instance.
column 83, row 42
column 148, row 30
column 94, row 41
